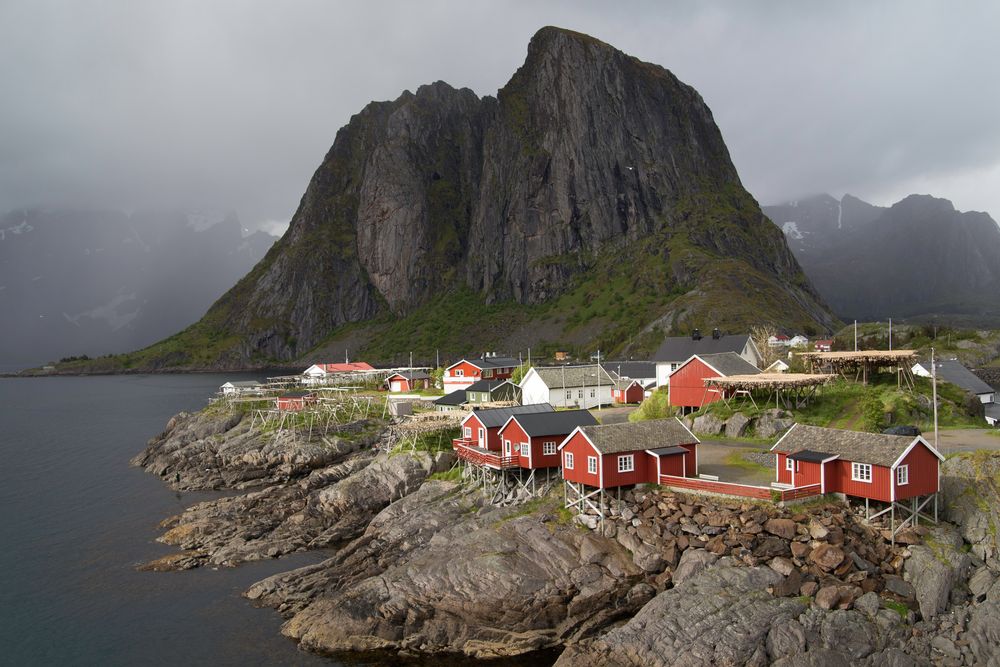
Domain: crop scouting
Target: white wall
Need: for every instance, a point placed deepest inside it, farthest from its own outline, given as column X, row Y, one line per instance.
column 533, row 390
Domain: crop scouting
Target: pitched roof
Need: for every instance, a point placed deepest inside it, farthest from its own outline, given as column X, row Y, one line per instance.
column 346, row 368
column 992, row 410
column 554, row 423
column 493, row 417
column 248, row 383
column 625, row 383
column 486, row 385
column 556, row 377
column 811, row 456
column 679, row 348
column 951, row 370
column 490, row 362
column 729, row 363
column 875, row 448
column 411, row 375
column 638, row 436
column 668, row 451
column 456, row 397
column 631, row 369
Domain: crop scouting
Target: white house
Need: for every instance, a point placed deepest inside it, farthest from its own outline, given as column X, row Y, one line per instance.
column 568, row 386
column 321, row 374
column 798, row 341
column 238, row 388
column 675, row 350
column 951, row 370
column 463, row 373
column 778, row 366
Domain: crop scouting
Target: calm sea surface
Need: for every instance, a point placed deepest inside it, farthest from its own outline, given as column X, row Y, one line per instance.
column 75, row 520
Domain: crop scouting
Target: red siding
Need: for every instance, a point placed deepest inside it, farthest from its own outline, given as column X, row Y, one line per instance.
column 468, row 370
column 784, row 476
column 687, row 386
column 581, row 448
column 671, row 465
column 632, row 394
column 923, row 469
column 492, row 437
column 691, row 462
column 641, row 473
column 295, row 404
column 539, row 460
column 840, row 482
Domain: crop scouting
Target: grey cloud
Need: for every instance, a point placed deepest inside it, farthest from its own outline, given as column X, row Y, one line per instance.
column 232, row 105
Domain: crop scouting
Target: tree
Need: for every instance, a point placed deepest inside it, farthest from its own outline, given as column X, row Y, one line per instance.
column 760, row 334
column 519, row 373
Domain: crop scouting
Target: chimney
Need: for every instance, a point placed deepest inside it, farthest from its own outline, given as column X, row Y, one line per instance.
column 696, row 334
column 716, row 334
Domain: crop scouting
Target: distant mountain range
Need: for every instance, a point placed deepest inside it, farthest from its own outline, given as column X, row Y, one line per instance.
column 591, row 203
column 76, row 282
column 915, row 259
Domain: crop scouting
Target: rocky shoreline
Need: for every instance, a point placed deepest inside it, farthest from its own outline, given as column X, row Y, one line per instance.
column 424, row 567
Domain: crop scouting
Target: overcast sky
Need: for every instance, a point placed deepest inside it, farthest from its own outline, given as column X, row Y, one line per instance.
column 232, row 105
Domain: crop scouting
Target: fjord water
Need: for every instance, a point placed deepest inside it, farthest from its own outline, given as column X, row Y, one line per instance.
column 75, row 520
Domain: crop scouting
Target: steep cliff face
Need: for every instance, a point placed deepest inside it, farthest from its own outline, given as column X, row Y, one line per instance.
column 587, row 159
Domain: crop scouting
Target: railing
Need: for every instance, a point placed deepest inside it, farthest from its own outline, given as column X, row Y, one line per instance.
column 461, row 442
column 483, row 457
column 742, row 490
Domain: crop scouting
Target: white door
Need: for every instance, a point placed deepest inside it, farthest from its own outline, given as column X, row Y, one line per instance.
column 482, row 437
column 506, row 448
column 396, row 385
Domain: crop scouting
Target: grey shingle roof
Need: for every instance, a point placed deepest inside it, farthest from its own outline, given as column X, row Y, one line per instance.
column 554, row 423
column 555, row 377
column 875, row 448
column 667, row 451
column 412, row 375
column 493, row 417
column 954, row 372
column 729, row 363
column 811, row 456
column 631, row 369
column 679, row 348
column 456, row 397
column 245, row 385
column 493, row 362
column 634, row 436
column 625, row 383
column 485, row 385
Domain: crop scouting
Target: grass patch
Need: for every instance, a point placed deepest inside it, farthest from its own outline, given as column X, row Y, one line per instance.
column 735, row 459
column 453, row 475
column 897, row 607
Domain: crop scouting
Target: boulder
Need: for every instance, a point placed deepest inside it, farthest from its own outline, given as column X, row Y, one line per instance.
column 984, row 633
column 738, row 425
column 772, row 422
column 827, row 556
column 782, row 566
column 785, row 528
column 934, row 569
column 691, row 563
column 828, row 597
column 708, row 425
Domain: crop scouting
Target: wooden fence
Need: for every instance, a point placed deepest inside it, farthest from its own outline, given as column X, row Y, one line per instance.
column 741, row 490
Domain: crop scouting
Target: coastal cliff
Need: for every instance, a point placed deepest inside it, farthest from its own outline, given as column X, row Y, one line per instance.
column 420, row 564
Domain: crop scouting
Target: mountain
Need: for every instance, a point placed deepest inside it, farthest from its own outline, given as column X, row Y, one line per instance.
column 918, row 258
column 76, row 282
column 592, row 202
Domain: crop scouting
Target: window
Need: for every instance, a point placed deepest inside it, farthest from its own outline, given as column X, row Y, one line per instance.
column 592, row 393
column 548, row 448
column 487, row 373
column 626, row 463
column 788, row 463
column 569, row 395
column 903, row 475
column 579, row 393
column 861, row 472
column 569, row 461
column 592, row 465
column 459, row 372
column 525, row 449
column 468, row 433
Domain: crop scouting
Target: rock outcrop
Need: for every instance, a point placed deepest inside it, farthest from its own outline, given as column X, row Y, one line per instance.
column 586, row 160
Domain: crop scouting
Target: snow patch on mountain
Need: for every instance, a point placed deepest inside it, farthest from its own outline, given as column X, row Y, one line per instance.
column 791, row 228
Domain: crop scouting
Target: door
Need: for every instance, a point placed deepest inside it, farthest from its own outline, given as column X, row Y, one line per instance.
column 482, row 438
column 506, row 448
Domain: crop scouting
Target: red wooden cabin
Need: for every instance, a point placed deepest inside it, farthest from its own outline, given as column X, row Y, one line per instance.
column 479, row 441
column 875, row 466
column 613, row 455
column 534, row 437
column 687, row 383
column 628, row 391
column 408, row 381
column 296, row 400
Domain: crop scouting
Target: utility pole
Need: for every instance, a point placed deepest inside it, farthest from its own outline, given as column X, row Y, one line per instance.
column 598, row 379
column 890, row 334
column 437, row 358
column 934, row 397
column 855, row 335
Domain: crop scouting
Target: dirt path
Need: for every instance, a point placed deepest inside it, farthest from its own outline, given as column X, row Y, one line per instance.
column 965, row 439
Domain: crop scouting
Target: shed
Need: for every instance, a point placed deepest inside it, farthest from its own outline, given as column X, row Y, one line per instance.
column 294, row 401
column 687, row 383
column 534, row 437
column 408, row 381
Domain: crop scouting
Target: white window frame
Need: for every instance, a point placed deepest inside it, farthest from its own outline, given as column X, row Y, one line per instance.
column 626, row 463
column 592, row 465
column 593, row 393
column 579, row 393
column 487, row 373
column 569, row 395
column 568, row 463
column 903, row 475
column 468, row 433
column 788, row 463
column 548, row 448
column 859, row 472
column 459, row 373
